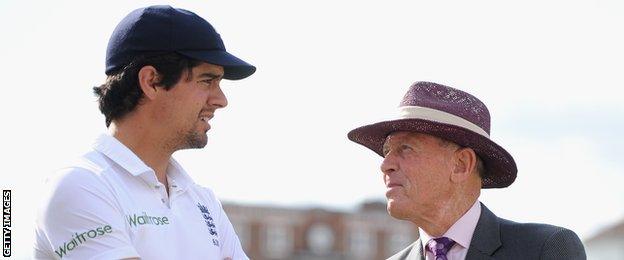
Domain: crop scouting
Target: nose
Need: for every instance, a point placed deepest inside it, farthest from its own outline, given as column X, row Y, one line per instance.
column 388, row 165
column 217, row 98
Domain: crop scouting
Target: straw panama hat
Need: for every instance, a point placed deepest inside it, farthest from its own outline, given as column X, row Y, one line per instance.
column 450, row 114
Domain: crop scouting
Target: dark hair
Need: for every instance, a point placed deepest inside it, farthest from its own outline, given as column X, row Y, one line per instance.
column 120, row 94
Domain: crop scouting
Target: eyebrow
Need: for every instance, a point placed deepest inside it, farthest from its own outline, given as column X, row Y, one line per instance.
column 210, row 75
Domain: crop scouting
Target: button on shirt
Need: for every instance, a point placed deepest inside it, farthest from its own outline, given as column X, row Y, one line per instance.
column 461, row 232
column 110, row 205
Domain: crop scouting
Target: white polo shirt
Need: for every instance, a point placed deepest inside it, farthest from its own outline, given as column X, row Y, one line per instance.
column 109, row 205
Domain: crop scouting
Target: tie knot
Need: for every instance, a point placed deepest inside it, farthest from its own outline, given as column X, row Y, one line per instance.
column 440, row 246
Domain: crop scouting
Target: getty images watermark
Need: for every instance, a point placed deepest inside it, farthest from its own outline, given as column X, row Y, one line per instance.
column 6, row 223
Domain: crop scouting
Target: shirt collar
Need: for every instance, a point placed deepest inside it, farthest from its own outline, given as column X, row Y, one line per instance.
column 120, row 154
column 124, row 157
column 461, row 231
column 177, row 176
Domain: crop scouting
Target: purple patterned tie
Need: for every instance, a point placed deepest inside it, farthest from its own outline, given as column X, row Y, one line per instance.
column 440, row 246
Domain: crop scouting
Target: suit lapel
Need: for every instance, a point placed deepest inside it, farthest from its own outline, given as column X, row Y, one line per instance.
column 412, row 252
column 416, row 253
column 486, row 238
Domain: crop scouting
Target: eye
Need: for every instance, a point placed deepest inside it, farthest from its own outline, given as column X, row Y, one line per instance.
column 402, row 148
column 385, row 150
column 207, row 81
column 405, row 147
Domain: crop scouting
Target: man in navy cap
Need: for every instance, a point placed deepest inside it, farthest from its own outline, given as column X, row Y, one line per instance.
column 438, row 155
column 127, row 197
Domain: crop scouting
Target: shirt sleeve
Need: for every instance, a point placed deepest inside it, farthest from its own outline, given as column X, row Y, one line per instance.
column 81, row 219
column 231, row 244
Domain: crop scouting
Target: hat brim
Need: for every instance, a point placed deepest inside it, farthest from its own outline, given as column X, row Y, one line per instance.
column 233, row 67
column 500, row 166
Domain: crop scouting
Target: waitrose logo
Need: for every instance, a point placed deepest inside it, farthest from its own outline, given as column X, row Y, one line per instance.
column 139, row 220
column 78, row 239
column 134, row 220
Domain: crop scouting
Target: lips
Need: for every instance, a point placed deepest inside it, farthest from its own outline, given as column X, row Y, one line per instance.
column 205, row 119
column 206, row 116
column 392, row 184
column 392, row 189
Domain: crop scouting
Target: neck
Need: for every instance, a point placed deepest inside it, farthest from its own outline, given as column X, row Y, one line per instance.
column 146, row 144
column 438, row 219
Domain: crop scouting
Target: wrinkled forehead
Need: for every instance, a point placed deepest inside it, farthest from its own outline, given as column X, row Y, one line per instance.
column 399, row 137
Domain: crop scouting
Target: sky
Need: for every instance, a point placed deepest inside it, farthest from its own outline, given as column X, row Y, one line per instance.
column 550, row 73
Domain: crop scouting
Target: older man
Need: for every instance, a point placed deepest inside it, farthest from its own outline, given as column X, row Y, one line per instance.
column 437, row 157
column 127, row 198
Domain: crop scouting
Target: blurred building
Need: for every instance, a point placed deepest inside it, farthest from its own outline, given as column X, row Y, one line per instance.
column 271, row 233
column 607, row 244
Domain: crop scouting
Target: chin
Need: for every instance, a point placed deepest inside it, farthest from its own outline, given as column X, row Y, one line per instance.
column 198, row 144
column 396, row 210
column 196, row 141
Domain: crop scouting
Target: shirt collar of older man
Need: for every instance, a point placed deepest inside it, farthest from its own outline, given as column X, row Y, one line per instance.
column 461, row 232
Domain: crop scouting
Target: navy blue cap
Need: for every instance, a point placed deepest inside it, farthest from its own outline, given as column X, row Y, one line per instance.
column 162, row 28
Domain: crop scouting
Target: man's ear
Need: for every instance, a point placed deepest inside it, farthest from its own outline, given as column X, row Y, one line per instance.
column 465, row 161
column 148, row 81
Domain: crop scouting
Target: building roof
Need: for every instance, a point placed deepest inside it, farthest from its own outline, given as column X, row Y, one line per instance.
column 610, row 232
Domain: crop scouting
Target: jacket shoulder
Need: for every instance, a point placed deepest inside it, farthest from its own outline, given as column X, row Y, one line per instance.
column 533, row 231
column 544, row 240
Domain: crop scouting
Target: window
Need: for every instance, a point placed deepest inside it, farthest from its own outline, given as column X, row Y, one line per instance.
column 278, row 241
column 320, row 239
column 362, row 243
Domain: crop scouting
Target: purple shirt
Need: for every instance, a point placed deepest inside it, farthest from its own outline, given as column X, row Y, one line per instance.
column 461, row 232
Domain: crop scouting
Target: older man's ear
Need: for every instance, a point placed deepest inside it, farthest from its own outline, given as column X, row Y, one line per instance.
column 465, row 162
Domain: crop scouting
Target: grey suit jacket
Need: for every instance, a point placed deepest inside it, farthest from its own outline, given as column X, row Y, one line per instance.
column 497, row 238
